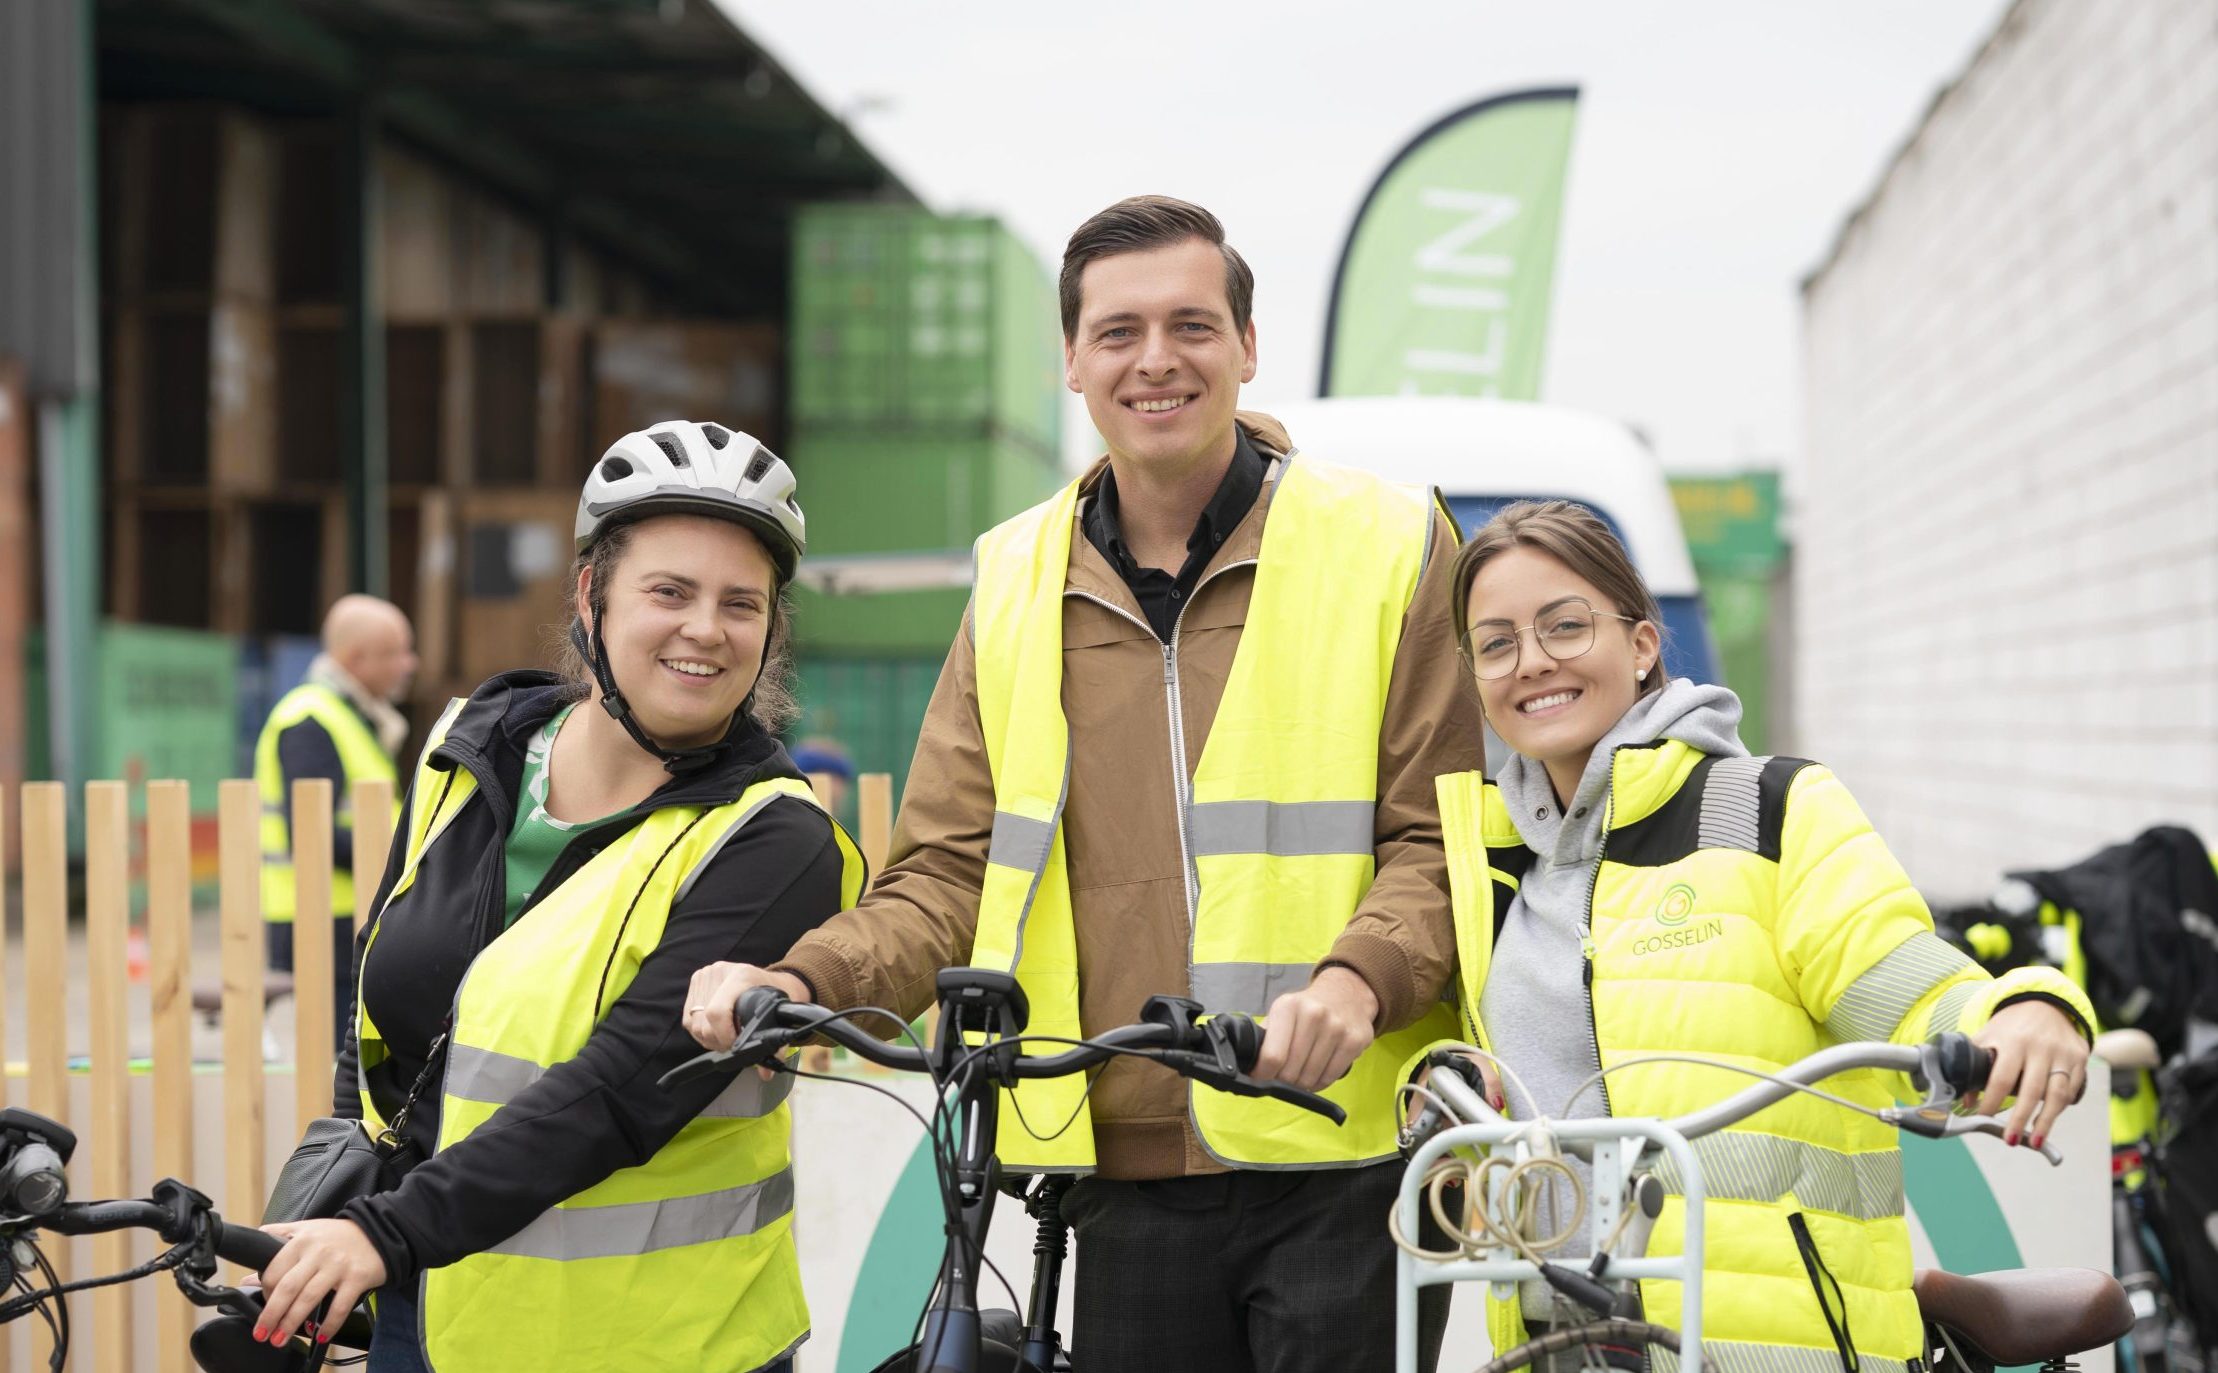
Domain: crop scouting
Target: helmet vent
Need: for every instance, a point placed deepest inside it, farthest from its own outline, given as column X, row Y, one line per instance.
column 615, row 469
column 760, row 467
column 718, row 434
column 671, row 450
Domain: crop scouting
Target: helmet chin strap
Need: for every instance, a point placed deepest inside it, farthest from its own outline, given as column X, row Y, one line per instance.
column 678, row 762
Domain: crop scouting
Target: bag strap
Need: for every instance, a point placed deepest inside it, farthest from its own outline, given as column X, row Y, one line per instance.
column 390, row 1139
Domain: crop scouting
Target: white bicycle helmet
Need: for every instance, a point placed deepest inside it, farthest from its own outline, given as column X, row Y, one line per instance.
column 678, row 467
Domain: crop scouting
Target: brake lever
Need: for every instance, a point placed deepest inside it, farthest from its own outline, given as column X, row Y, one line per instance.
column 756, row 1043
column 1991, row 1125
column 1932, row 1122
column 1213, row 1070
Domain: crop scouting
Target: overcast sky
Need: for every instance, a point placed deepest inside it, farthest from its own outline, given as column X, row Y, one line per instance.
column 1719, row 146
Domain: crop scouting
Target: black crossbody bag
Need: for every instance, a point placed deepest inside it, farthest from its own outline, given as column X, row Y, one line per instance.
column 338, row 1159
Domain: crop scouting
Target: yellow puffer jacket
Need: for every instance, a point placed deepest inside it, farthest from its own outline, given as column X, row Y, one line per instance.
column 1745, row 910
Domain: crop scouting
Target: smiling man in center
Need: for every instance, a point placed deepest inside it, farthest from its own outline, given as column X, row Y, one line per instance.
column 1185, row 744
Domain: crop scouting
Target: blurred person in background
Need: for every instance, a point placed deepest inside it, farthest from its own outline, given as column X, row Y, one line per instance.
column 572, row 847
column 826, row 761
column 342, row 724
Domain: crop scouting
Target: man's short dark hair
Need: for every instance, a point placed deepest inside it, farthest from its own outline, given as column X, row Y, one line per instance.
column 1145, row 222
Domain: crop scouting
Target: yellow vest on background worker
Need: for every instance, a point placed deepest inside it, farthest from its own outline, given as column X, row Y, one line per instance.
column 360, row 756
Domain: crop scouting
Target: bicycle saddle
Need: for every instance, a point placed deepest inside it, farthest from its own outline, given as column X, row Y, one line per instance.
column 2027, row 1315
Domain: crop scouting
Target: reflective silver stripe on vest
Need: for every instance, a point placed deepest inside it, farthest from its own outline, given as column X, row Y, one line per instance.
column 1948, row 1011
column 1020, row 842
column 632, row 1228
column 1730, row 805
column 1283, row 829
column 1739, row 1165
column 708, row 855
column 1734, row 1356
column 475, row 1074
column 1875, row 1003
column 1246, row 988
column 495, row 1079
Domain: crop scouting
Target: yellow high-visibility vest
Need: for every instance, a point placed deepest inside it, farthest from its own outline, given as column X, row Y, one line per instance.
column 1279, row 825
column 685, row 1262
column 360, row 757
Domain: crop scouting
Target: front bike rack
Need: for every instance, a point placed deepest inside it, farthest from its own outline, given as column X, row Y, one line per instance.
column 1616, row 1145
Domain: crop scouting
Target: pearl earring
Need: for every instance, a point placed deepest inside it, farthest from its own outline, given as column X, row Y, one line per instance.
column 1641, row 676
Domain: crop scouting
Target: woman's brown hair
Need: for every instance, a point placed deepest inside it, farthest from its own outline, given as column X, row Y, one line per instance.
column 1574, row 536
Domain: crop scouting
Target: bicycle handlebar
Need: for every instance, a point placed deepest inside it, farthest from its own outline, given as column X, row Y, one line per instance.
column 240, row 1244
column 1217, row 1052
column 1947, row 1067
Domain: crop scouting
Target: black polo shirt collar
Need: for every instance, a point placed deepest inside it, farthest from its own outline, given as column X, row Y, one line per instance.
column 1161, row 595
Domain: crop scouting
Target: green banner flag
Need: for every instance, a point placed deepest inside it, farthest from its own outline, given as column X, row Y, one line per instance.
column 1444, row 284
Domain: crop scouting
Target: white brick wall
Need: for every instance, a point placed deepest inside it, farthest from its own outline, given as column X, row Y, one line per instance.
column 2006, row 572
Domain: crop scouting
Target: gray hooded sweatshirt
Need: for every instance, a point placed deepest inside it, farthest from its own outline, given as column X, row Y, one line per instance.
column 1534, row 1005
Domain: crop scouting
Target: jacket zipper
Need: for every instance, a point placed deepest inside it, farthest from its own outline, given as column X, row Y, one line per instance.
column 1182, row 793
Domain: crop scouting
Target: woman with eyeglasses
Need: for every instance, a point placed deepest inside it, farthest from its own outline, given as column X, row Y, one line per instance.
column 1633, row 883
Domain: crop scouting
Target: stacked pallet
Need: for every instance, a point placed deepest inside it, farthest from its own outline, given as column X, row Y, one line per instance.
column 511, row 358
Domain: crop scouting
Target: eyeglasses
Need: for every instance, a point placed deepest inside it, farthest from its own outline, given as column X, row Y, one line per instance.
column 1563, row 631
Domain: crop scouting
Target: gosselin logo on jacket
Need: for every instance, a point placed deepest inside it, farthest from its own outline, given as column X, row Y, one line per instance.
column 1672, row 913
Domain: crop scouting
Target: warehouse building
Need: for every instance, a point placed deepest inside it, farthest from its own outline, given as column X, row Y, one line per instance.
column 2006, row 568
column 320, row 295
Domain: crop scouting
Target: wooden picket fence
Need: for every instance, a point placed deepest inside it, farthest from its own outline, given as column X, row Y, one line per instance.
column 107, row 1100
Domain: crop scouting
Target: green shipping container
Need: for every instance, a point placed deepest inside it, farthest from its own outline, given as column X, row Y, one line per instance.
column 873, row 493
column 890, row 623
column 871, row 706
column 907, row 320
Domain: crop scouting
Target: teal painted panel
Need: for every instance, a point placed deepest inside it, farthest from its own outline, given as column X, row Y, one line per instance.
column 898, row 1268
column 1956, row 1206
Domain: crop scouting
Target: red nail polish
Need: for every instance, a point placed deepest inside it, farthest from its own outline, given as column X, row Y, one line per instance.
column 2037, row 1140
column 260, row 1334
column 2011, row 1139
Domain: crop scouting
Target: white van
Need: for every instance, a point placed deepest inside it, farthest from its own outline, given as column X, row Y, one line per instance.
column 1484, row 454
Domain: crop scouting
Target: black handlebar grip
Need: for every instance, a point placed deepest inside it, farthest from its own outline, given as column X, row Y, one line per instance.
column 757, row 1002
column 1244, row 1037
column 246, row 1246
column 1964, row 1065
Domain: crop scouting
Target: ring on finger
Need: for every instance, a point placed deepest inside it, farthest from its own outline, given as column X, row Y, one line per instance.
column 2061, row 1072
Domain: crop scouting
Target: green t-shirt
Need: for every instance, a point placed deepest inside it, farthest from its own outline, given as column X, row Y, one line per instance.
column 538, row 838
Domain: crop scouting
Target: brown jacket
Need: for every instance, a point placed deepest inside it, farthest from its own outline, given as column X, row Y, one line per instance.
column 1120, row 826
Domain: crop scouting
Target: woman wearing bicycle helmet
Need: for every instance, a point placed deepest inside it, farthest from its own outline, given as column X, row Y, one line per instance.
column 1633, row 883
column 573, row 846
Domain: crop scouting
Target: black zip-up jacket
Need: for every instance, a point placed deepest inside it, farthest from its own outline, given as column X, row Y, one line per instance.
column 778, row 878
